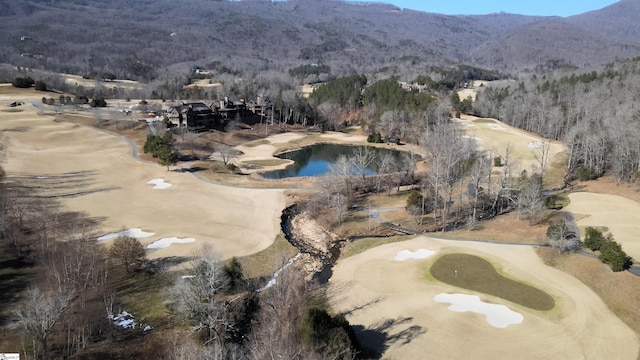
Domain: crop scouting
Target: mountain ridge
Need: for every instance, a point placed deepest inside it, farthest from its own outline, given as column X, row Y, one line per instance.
column 129, row 38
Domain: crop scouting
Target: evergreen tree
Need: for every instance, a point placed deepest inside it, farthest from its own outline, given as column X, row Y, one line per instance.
column 611, row 253
column 594, row 239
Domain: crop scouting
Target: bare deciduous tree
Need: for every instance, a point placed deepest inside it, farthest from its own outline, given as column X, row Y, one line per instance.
column 198, row 297
column 227, row 153
column 277, row 335
column 362, row 159
column 530, row 199
column 343, row 169
column 40, row 313
column 542, row 153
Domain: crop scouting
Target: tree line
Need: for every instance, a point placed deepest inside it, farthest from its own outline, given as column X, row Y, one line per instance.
column 592, row 112
column 69, row 287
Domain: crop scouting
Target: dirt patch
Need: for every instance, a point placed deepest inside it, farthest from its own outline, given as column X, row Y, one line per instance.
column 494, row 229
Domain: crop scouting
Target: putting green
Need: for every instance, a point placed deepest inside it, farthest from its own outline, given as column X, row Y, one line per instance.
column 477, row 274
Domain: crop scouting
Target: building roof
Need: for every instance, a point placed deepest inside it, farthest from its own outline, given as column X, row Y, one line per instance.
column 196, row 106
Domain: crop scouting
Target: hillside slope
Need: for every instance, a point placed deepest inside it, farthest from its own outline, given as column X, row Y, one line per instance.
column 134, row 39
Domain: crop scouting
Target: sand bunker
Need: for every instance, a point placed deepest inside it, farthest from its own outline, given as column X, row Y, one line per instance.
column 496, row 127
column 535, row 144
column 498, row 316
column 419, row 254
column 134, row 233
column 159, row 184
column 392, row 300
column 166, row 242
column 233, row 221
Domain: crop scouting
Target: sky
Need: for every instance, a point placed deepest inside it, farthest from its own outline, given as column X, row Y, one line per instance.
column 524, row 7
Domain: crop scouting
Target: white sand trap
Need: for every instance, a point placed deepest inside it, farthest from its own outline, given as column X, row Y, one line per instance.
column 134, row 232
column 496, row 127
column 166, row 242
column 474, row 138
column 468, row 124
column 534, row 144
column 498, row 316
column 159, row 184
column 419, row 254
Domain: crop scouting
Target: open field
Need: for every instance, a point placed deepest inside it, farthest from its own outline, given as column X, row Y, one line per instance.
column 493, row 135
column 621, row 216
column 392, row 303
column 235, row 222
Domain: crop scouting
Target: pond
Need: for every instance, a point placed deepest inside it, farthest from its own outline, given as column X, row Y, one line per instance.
column 316, row 160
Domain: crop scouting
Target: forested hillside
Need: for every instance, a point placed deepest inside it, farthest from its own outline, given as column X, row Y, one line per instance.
column 594, row 113
column 141, row 39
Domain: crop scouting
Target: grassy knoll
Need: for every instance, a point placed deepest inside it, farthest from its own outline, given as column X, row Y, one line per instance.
column 362, row 245
column 477, row 274
column 267, row 261
column 141, row 294
column 618, row 290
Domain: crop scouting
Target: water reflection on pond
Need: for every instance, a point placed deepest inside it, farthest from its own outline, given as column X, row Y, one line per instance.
column 315, row 160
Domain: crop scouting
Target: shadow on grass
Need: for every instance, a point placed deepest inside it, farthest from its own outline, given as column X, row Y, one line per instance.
column 168, row 262
column 376, row 340
column 15, row 277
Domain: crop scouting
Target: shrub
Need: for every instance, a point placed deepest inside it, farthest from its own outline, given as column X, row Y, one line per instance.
column 497, row 161
column 22, row 82
column 40, row 85
column 594, row 239
column 414, row 203
column 374, row 138
column 330, row 335
column 584, row 173
column 81, row 100
column 233, row 271
column 98, row 103
column 611, row 253
column 550, row 201
column 231, row 167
